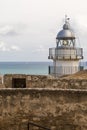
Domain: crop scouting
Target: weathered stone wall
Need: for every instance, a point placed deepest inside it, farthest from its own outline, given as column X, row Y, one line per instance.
column 56, row 103
column 58, row 109
column 38, row 81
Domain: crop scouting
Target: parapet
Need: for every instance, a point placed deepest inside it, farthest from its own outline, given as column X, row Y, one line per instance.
column 74, row 81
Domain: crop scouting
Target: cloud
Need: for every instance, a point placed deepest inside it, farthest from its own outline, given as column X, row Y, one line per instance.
column 40, row 49
column 7, row 30
column 15, row 48
column 11, row 29
column 80, row 25
column 5, row 47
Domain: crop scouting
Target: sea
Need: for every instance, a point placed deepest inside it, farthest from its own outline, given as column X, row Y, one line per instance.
column 34, row 68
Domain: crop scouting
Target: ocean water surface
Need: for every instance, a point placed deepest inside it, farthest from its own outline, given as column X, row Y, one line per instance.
column 36, row 68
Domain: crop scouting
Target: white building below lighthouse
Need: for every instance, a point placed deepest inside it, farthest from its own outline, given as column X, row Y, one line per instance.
column 65, row 55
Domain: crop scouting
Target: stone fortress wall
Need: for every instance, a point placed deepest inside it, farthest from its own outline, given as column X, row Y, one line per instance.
column 56, row 103
column 39, row 81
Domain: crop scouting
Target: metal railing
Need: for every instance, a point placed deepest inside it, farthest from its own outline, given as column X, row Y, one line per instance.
column 39, row 126
column 65, row 53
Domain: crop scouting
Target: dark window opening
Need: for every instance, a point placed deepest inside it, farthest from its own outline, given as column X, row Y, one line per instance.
column 19, row 82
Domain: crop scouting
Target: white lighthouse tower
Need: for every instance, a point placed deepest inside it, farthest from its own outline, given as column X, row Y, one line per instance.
column 65, row 55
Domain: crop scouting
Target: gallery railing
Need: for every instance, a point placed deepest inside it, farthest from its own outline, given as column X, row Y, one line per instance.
column 65, row 53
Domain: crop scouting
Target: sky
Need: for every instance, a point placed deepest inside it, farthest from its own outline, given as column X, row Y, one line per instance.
column 28, row 28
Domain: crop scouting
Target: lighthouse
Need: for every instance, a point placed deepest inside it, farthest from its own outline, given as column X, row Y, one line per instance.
column 66, row 55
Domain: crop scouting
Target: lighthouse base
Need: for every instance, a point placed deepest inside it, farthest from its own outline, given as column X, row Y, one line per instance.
column 60, row 68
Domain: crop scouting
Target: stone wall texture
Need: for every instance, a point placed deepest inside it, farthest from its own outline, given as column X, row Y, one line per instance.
column 57, row 109
column 38, row 81
column 55, row 103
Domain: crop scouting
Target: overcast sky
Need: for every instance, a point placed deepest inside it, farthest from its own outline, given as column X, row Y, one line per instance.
column 28, row 28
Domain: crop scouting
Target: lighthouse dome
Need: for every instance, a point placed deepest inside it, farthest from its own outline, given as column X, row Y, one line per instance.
column 66, row 32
